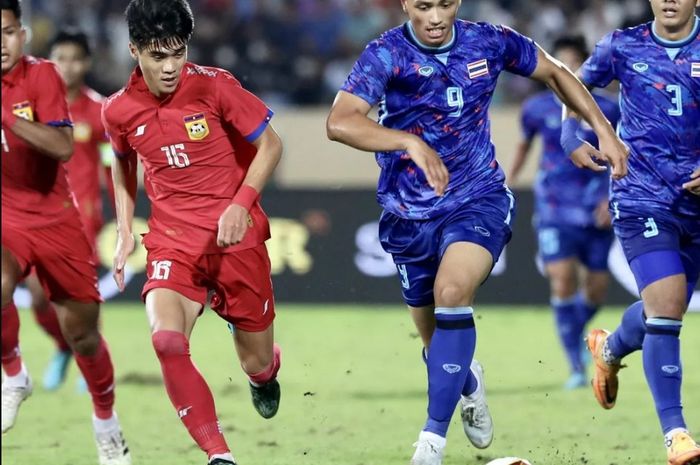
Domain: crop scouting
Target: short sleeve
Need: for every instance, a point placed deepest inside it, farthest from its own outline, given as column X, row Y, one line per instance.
column 241, row 109
column 117, row 137
column 519, row 52
column 598, row 70
column 51, row 106
column 528, row 121
column 371, row 73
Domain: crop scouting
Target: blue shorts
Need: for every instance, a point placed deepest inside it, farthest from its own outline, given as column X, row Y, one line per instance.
column 590, row 245
column 417, row 246
column 642, row 230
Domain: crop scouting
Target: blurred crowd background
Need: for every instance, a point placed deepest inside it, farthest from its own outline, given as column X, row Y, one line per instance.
column 298, row 52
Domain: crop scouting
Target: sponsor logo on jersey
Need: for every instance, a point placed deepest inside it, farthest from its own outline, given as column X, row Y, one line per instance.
column 426, row 71
column 82, row 131
column 23, row 110
column 140, row 130
column 695, row 70
column 478, row 68
column 640, row 67
column 196, row 125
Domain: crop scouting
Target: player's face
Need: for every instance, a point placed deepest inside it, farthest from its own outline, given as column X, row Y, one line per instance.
column 13, row 37
column 72, row 63
column 161, row 66
column 432, row 20
column 570, row 57
column 674, row 14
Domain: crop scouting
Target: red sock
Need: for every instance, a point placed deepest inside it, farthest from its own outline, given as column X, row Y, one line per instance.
column 99, row 376
column 48, row 320
column 11, row 359
column 269, row 373
column 188, row 391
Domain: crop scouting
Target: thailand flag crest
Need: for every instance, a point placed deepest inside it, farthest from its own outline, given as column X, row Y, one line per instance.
column 695, row 70
column 478, row 68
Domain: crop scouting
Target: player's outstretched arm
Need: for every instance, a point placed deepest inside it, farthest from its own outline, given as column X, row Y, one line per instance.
column 56, row 142
column 348, row 123
column 124, row 178
column 577, row 97
column 233, row 222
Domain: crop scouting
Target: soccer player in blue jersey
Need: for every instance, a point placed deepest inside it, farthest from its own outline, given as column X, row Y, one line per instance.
column 571, row 213
column 447, row 211
column 656, row 208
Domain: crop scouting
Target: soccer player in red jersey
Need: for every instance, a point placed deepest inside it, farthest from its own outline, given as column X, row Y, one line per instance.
column 207, row 150
column 71, row 53
column 41, row 229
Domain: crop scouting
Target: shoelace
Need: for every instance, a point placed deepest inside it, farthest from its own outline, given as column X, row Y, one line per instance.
column 110, row 445
column 474, row 415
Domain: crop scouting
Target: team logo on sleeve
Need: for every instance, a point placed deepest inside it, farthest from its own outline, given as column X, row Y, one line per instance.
column 196, row 126
column 23, row 110
column 478, row 68
column 695, row 70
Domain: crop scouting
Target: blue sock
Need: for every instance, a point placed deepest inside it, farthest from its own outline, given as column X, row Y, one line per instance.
column 662, row 366
column 470, row 385
column 449, row 360
column 570, row 331
column 629, row 336
column 585, row 310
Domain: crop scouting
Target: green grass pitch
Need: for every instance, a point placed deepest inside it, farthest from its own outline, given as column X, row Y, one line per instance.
column 353, row 393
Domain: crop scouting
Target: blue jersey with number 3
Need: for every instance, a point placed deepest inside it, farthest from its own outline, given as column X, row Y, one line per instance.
column 660, row 106
column 442, row 95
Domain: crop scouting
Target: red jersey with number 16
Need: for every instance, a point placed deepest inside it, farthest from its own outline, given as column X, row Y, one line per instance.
column 195, row 147
column 35, row 190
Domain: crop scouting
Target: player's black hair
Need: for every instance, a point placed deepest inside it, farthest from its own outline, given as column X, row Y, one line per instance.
column 72, row 36
column 14, row 5
column 166, row 23
column 574, row 42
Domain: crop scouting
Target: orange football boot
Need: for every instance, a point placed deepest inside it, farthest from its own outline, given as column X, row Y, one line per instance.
column 604, row 381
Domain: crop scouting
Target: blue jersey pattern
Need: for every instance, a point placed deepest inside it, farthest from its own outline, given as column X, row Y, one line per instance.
column 660, row 106
column 564, row 194
column 443, row 96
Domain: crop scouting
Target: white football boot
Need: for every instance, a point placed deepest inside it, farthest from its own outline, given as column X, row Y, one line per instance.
column 12, row 398
column 429, row 449
column 476, row 418
column 111, row 446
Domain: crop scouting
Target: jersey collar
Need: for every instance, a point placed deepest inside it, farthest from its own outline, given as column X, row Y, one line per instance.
column 17, row 73
column 675, row 43
column 410, row 34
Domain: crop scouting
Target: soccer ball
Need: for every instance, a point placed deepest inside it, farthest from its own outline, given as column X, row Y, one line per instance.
column 509, row 461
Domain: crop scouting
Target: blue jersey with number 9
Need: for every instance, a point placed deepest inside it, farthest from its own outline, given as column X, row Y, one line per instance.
column 660, row 107
column 442, row 95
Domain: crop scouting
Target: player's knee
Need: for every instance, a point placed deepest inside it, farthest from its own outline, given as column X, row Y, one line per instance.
column 169, row 343
column 83, row 342
column 451, row 294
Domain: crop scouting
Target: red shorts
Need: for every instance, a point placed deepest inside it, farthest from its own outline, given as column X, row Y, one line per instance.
column 61, row 256
column 240, row 281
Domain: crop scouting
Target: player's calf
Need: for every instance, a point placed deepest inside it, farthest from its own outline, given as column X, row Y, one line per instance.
column 264, row 387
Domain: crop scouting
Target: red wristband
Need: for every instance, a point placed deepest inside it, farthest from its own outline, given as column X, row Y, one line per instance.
column 246, row 196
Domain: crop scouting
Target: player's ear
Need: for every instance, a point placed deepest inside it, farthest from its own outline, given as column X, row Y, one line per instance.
column 403, row 5
column 133, row 51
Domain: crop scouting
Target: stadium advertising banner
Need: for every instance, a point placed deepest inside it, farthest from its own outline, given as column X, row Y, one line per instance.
column 324, row 248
